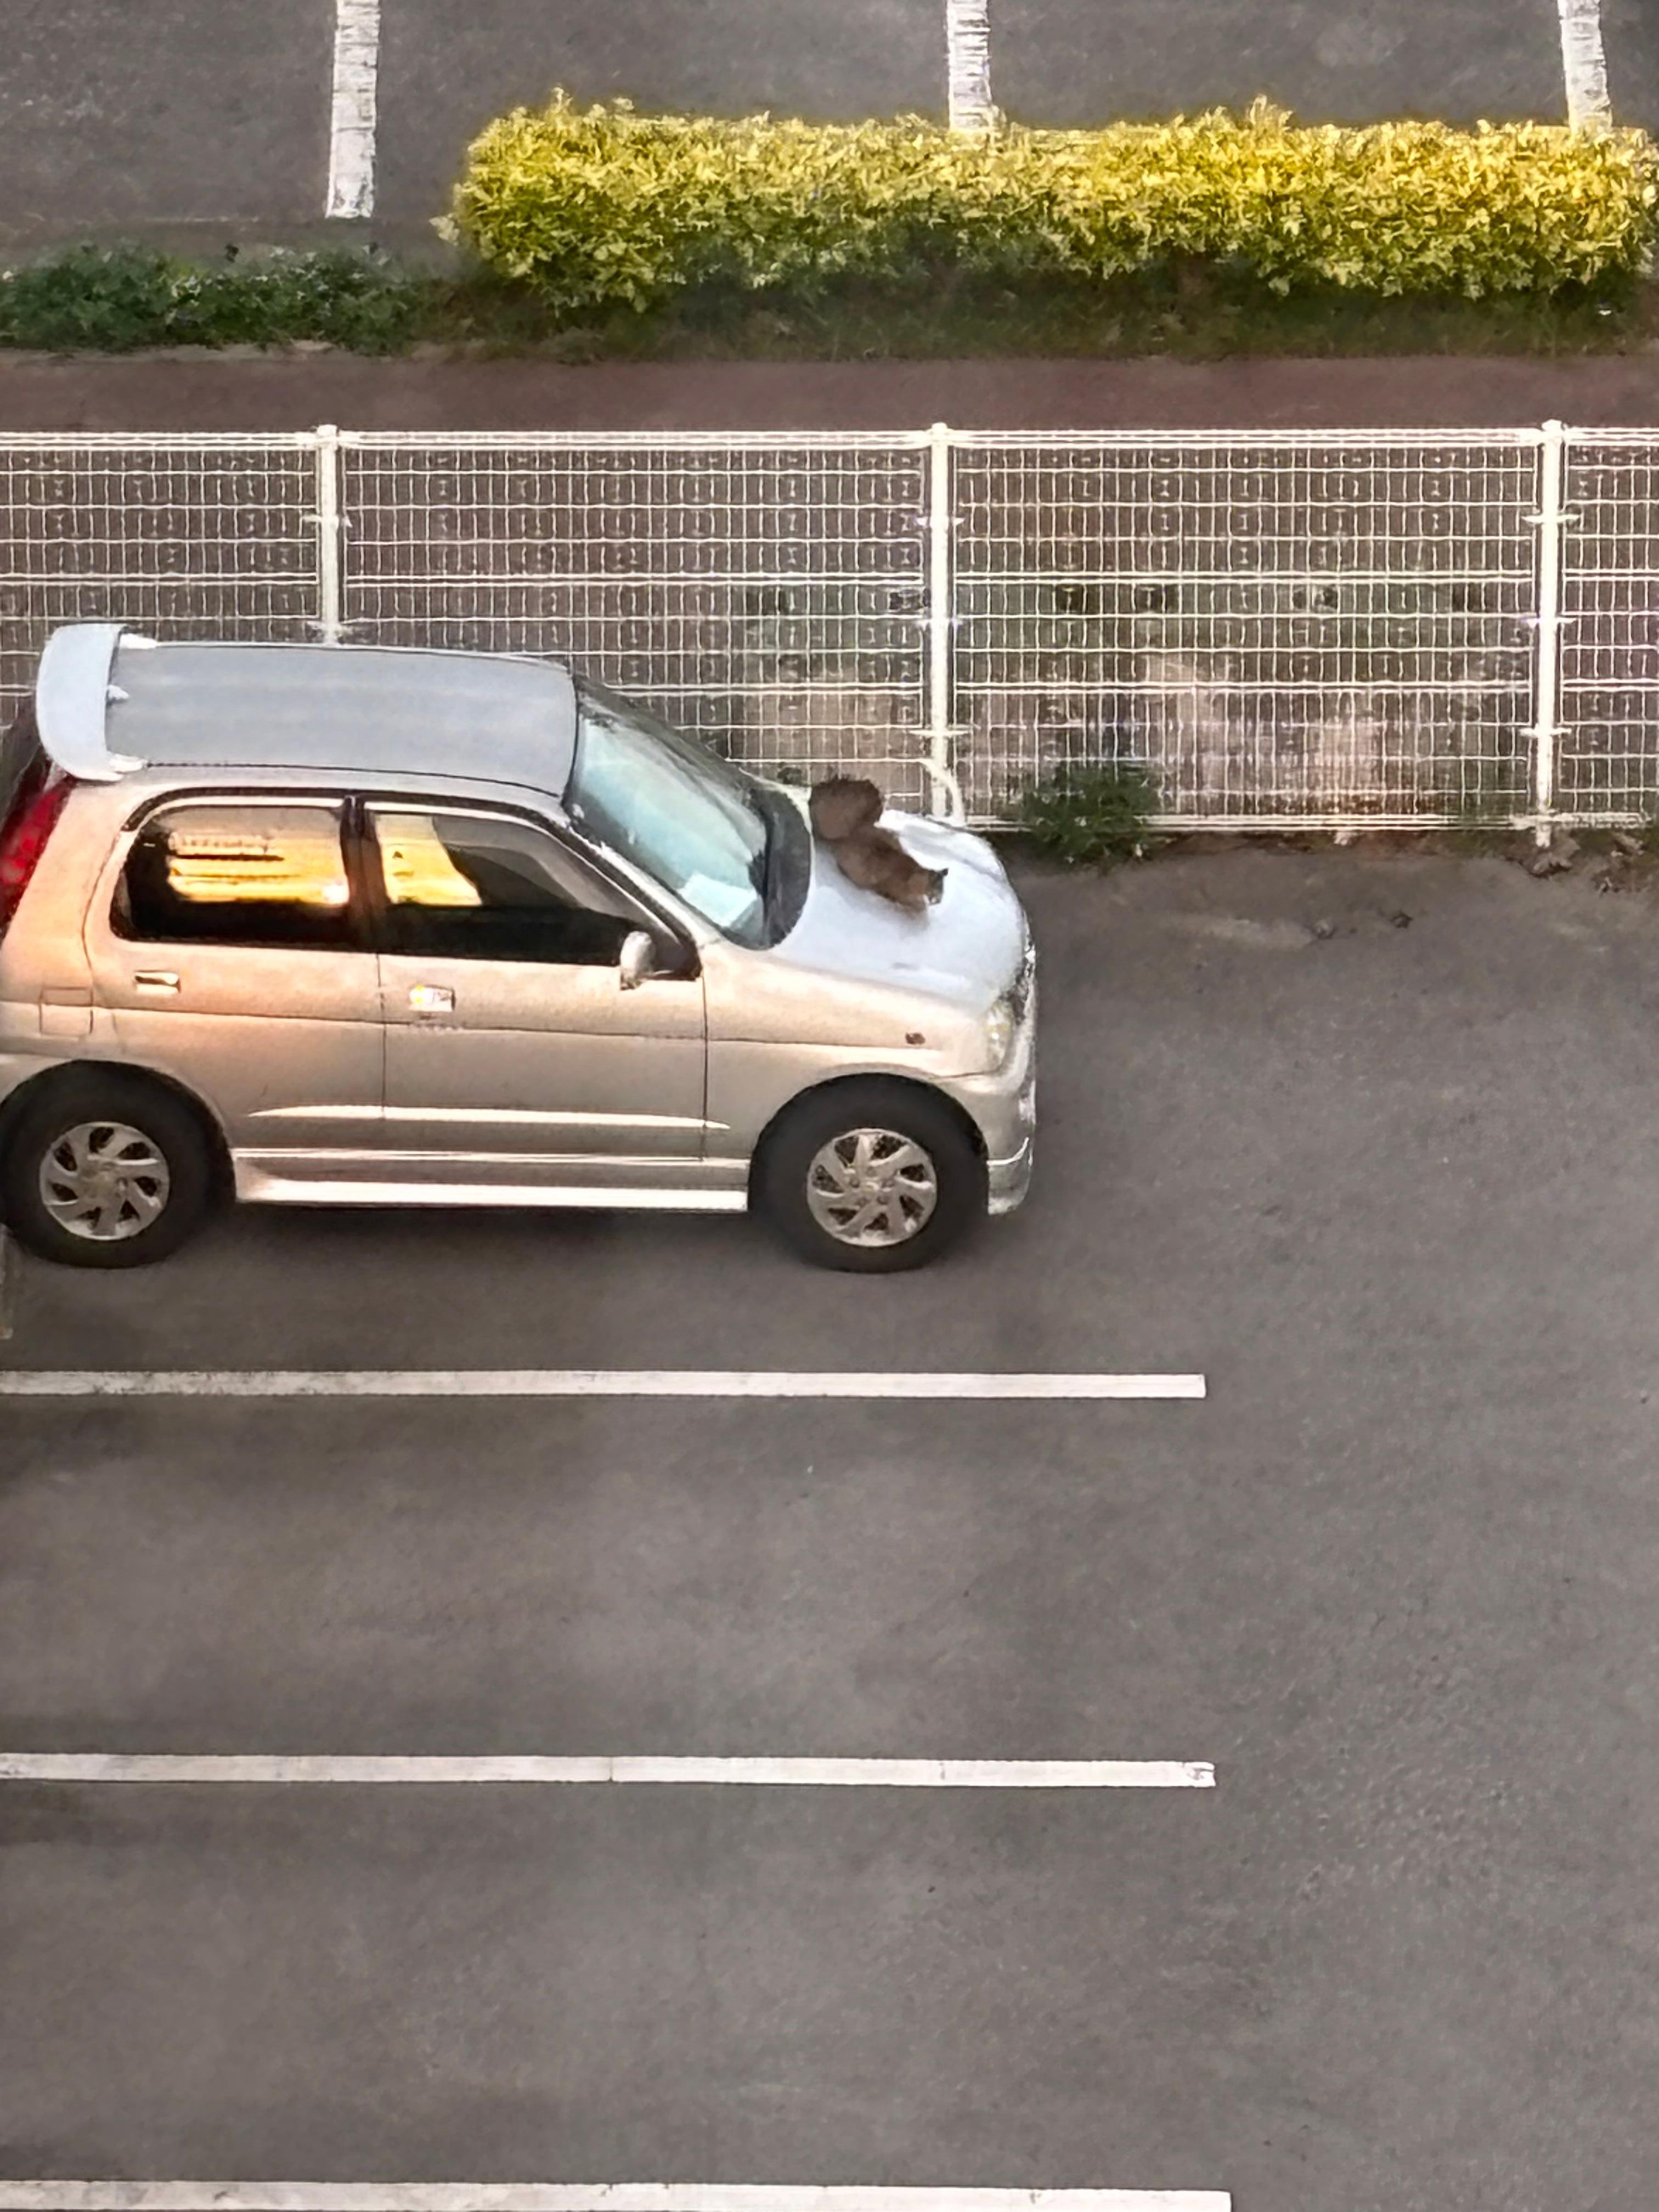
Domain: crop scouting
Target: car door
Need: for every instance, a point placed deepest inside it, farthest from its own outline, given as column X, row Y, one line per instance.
column 514, row 1053
column 228, row 947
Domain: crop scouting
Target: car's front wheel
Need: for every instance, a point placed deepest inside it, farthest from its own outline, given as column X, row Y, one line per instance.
column 870, row 1177
column 105, row 1171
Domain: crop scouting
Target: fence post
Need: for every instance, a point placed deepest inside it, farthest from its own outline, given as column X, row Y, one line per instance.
column 1547, row 674
column 330, row 598
column 946, row 792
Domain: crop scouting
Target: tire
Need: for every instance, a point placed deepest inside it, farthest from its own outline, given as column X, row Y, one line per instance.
column 131, row 1141
column 842, row 1144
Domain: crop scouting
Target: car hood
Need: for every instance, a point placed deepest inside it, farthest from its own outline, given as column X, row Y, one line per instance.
column 967, row 949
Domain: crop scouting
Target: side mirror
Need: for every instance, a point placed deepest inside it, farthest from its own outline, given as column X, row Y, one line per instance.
column 637, row 961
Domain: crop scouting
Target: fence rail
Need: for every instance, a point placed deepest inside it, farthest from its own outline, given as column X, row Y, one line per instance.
column 1287, row 629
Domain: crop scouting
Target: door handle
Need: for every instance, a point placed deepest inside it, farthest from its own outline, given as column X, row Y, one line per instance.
column 155, row 978
column 431, row 998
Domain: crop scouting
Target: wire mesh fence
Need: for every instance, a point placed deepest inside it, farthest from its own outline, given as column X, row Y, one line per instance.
column 1607, row 754
column 766, row 593
column 1271, row 627
column 1284, row 628
column 200, row 536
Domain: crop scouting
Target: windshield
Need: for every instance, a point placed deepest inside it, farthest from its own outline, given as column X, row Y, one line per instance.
column 677, row 810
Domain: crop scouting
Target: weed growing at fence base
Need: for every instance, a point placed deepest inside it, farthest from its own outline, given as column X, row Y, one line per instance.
column 1089, row 817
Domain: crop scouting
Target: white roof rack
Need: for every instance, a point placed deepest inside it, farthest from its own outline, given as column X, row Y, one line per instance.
column 73, row 694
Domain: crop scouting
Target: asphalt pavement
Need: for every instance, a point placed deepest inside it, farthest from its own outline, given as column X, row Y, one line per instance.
column 1364, row 1136
column 213, row 123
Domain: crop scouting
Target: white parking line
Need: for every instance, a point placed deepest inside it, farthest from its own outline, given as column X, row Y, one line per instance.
column 352, row 108
column 1584, row 66
column 575, row 2197
column 967, row 64
column 255, row 1767
column 570, row 1383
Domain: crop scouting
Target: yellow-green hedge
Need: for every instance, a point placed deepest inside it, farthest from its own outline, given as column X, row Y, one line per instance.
column 597, row 206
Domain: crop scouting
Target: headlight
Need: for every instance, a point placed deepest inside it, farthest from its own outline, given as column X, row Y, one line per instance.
column 1000, row 1027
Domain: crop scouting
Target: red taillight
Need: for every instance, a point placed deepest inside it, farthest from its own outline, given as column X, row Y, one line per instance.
column 22, row 840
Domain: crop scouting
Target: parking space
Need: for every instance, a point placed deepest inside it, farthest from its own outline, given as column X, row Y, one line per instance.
column 1365, row 1137
column 442, row 79
column 1258, row 1160
column 217, row 123
column 611, row 1984
column 215, row 112
column 736, row 1581
column 1067, row 62
column 1054, row 62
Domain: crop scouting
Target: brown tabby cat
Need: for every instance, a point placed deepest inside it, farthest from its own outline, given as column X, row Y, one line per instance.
column 842, row 804
column 846, row 813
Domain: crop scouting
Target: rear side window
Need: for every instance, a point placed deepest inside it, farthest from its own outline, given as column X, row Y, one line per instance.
column 230, row 872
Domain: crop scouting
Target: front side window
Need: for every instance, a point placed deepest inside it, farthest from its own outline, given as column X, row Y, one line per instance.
column 238, row 873
column 486, row 887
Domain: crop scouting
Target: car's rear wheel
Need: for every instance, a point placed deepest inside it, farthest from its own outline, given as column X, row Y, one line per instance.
column 105, row 1171
column 870, row 1177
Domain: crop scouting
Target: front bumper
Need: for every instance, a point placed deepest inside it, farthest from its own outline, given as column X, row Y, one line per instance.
column 1004, row 1107
column 1008, row 1180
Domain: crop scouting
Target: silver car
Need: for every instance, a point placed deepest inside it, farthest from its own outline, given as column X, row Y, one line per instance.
column 340, row 925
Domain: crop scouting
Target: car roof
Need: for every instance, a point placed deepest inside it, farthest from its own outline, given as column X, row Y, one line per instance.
column 110, row 703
